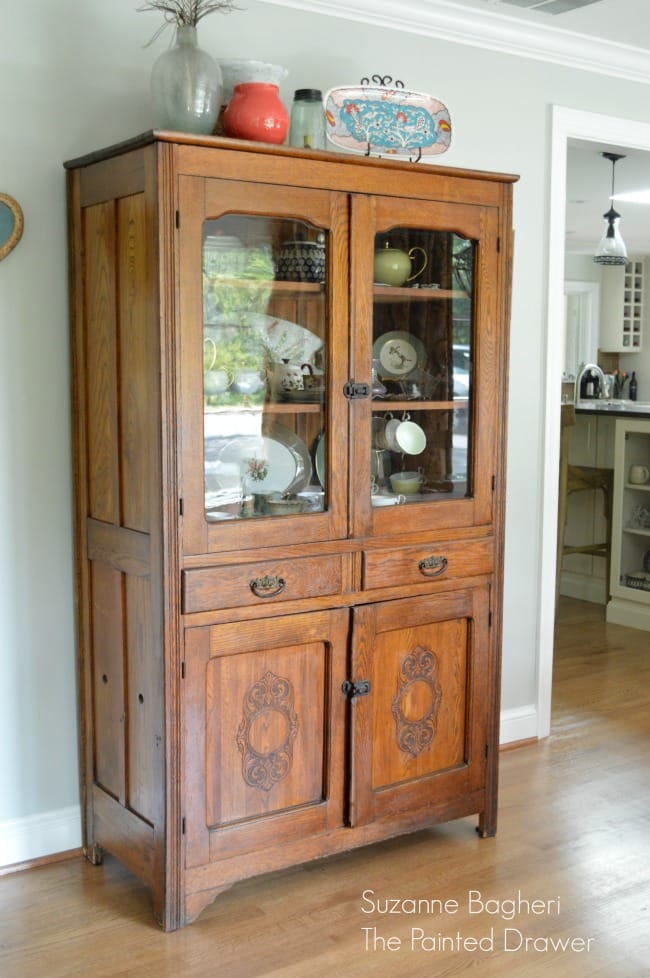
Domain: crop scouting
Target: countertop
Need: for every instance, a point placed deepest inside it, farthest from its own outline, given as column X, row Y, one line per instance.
column 614, row 408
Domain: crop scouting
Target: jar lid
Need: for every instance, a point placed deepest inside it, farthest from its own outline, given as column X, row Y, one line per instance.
column 308, row 95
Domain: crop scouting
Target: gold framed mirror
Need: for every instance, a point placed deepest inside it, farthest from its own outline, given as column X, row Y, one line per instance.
column 11, row 224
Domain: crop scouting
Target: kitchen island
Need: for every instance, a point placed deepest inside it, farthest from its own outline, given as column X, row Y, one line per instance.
column 627, row 424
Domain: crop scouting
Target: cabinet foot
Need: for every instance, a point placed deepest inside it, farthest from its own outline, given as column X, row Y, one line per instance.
column 487, row 827
column 195, row 903
column 94, row 854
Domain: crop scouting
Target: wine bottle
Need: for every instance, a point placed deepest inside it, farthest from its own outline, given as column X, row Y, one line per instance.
column 633, row 386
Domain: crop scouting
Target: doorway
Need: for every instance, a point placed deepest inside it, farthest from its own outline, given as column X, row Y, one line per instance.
column 590, row 127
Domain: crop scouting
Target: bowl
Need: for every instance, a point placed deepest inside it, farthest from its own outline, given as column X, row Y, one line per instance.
column 301, row 261
column 284, row 507
column 406, row 483
column 236, row 71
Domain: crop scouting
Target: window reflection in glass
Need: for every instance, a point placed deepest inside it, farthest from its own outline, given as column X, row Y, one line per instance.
column 264, row 367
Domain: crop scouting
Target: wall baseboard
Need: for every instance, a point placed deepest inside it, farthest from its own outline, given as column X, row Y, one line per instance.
column 518, row 724
column 583, row 587
column 29, row 838
column 23, row 840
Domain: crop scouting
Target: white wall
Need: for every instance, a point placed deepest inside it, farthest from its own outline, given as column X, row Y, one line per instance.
column 74, row 78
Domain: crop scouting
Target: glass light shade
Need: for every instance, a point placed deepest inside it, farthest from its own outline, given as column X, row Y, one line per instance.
column 611, row 249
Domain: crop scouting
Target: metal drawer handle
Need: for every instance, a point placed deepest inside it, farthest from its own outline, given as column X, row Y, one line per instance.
column 433, row 566
column 267, row 586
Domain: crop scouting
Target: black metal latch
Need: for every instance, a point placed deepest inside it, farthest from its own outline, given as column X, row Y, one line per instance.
column 352, row 690
column 356, row 391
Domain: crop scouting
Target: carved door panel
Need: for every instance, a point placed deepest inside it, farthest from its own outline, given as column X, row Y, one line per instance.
column 419, row 736
column 264, row 733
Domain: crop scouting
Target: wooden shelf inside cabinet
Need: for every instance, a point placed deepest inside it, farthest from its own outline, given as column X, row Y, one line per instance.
column 293, row 407
column 638, row 531
column 382, row 406
column 392, row 293
column 270, row 407
column 285, row 289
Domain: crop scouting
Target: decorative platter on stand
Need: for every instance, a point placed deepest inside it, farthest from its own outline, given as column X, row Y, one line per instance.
column 387, row 121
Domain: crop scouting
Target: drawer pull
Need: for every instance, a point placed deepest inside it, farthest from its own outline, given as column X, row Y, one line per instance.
column 267, row 586
column 433, row 566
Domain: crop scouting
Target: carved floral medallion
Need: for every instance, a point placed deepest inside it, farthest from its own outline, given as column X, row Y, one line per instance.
column 417, row 702
column 266, row 735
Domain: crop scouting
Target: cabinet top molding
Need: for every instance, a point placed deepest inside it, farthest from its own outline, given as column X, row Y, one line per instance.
column 241, row 145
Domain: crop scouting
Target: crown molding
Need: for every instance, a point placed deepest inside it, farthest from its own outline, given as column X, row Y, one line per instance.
column 497, row 32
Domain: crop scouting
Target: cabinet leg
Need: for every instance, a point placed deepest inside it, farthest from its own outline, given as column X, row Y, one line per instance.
column 195, row 903
column 94, row 854
column 487, row 826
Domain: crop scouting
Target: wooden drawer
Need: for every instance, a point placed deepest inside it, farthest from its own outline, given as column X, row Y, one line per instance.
column 428, row 562
column 243, row 585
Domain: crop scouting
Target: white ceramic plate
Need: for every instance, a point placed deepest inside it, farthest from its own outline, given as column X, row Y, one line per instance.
column 398, row 353
column 319, row 459
column 284, row 456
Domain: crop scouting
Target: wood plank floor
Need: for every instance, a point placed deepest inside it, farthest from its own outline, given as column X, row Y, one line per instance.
column 574, row 835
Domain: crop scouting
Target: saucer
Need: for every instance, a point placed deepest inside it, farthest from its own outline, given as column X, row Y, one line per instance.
column 391, row 500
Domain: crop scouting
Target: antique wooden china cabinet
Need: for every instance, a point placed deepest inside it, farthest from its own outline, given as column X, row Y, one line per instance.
column 289, row 463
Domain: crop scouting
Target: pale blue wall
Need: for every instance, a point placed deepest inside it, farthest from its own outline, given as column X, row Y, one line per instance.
column 74, row 77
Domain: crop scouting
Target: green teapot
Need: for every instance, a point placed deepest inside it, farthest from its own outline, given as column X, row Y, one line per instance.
column 393, row 267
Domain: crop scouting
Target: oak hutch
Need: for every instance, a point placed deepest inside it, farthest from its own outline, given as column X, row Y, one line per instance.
column 284, row 652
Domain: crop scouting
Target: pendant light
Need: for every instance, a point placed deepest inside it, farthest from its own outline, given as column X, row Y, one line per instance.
column 611, row 250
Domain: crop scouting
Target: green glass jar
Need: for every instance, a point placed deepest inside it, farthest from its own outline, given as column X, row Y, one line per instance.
column 307, row 119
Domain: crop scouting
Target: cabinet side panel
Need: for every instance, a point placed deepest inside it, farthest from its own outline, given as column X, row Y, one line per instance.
column 135, row 361
column 145, row 733
column 108, row 679
column 101, row 406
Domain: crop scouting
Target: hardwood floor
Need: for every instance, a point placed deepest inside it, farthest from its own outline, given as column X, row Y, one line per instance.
column 574, row 835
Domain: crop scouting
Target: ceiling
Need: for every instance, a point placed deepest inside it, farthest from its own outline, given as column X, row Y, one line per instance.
column 589, row 181
column 619, row 21
column 589, row 176
column 611, row 37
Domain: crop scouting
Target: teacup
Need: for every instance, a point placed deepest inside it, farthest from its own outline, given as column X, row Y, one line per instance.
column 215, row 382
column 410, row 438
column 249, row 382
column 403, row 436
column 406, row 483
column 639, row 474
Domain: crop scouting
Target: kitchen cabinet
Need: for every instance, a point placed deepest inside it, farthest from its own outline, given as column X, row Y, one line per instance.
column 622, row 302
column 591, row 444
column 630, row 577
column 283, row 654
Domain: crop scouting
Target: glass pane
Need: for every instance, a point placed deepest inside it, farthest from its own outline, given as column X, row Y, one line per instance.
column 423, row 343
column 264, row 367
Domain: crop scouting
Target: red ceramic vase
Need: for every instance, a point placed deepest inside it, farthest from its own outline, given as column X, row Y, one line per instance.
column 256, row 111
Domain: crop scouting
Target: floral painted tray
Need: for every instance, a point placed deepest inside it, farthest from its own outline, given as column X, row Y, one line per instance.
column 387, row 121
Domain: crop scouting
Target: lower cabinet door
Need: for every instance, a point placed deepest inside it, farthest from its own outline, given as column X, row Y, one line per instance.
column 263, row 733
column 419, row 735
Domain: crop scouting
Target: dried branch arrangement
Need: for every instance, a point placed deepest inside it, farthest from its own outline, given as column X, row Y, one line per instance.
column 185, row 13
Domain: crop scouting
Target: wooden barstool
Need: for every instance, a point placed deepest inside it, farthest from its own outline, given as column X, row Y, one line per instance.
column 581, row 478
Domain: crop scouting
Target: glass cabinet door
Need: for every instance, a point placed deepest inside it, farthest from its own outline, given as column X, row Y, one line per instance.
column 431, row 351
column 264, row 390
